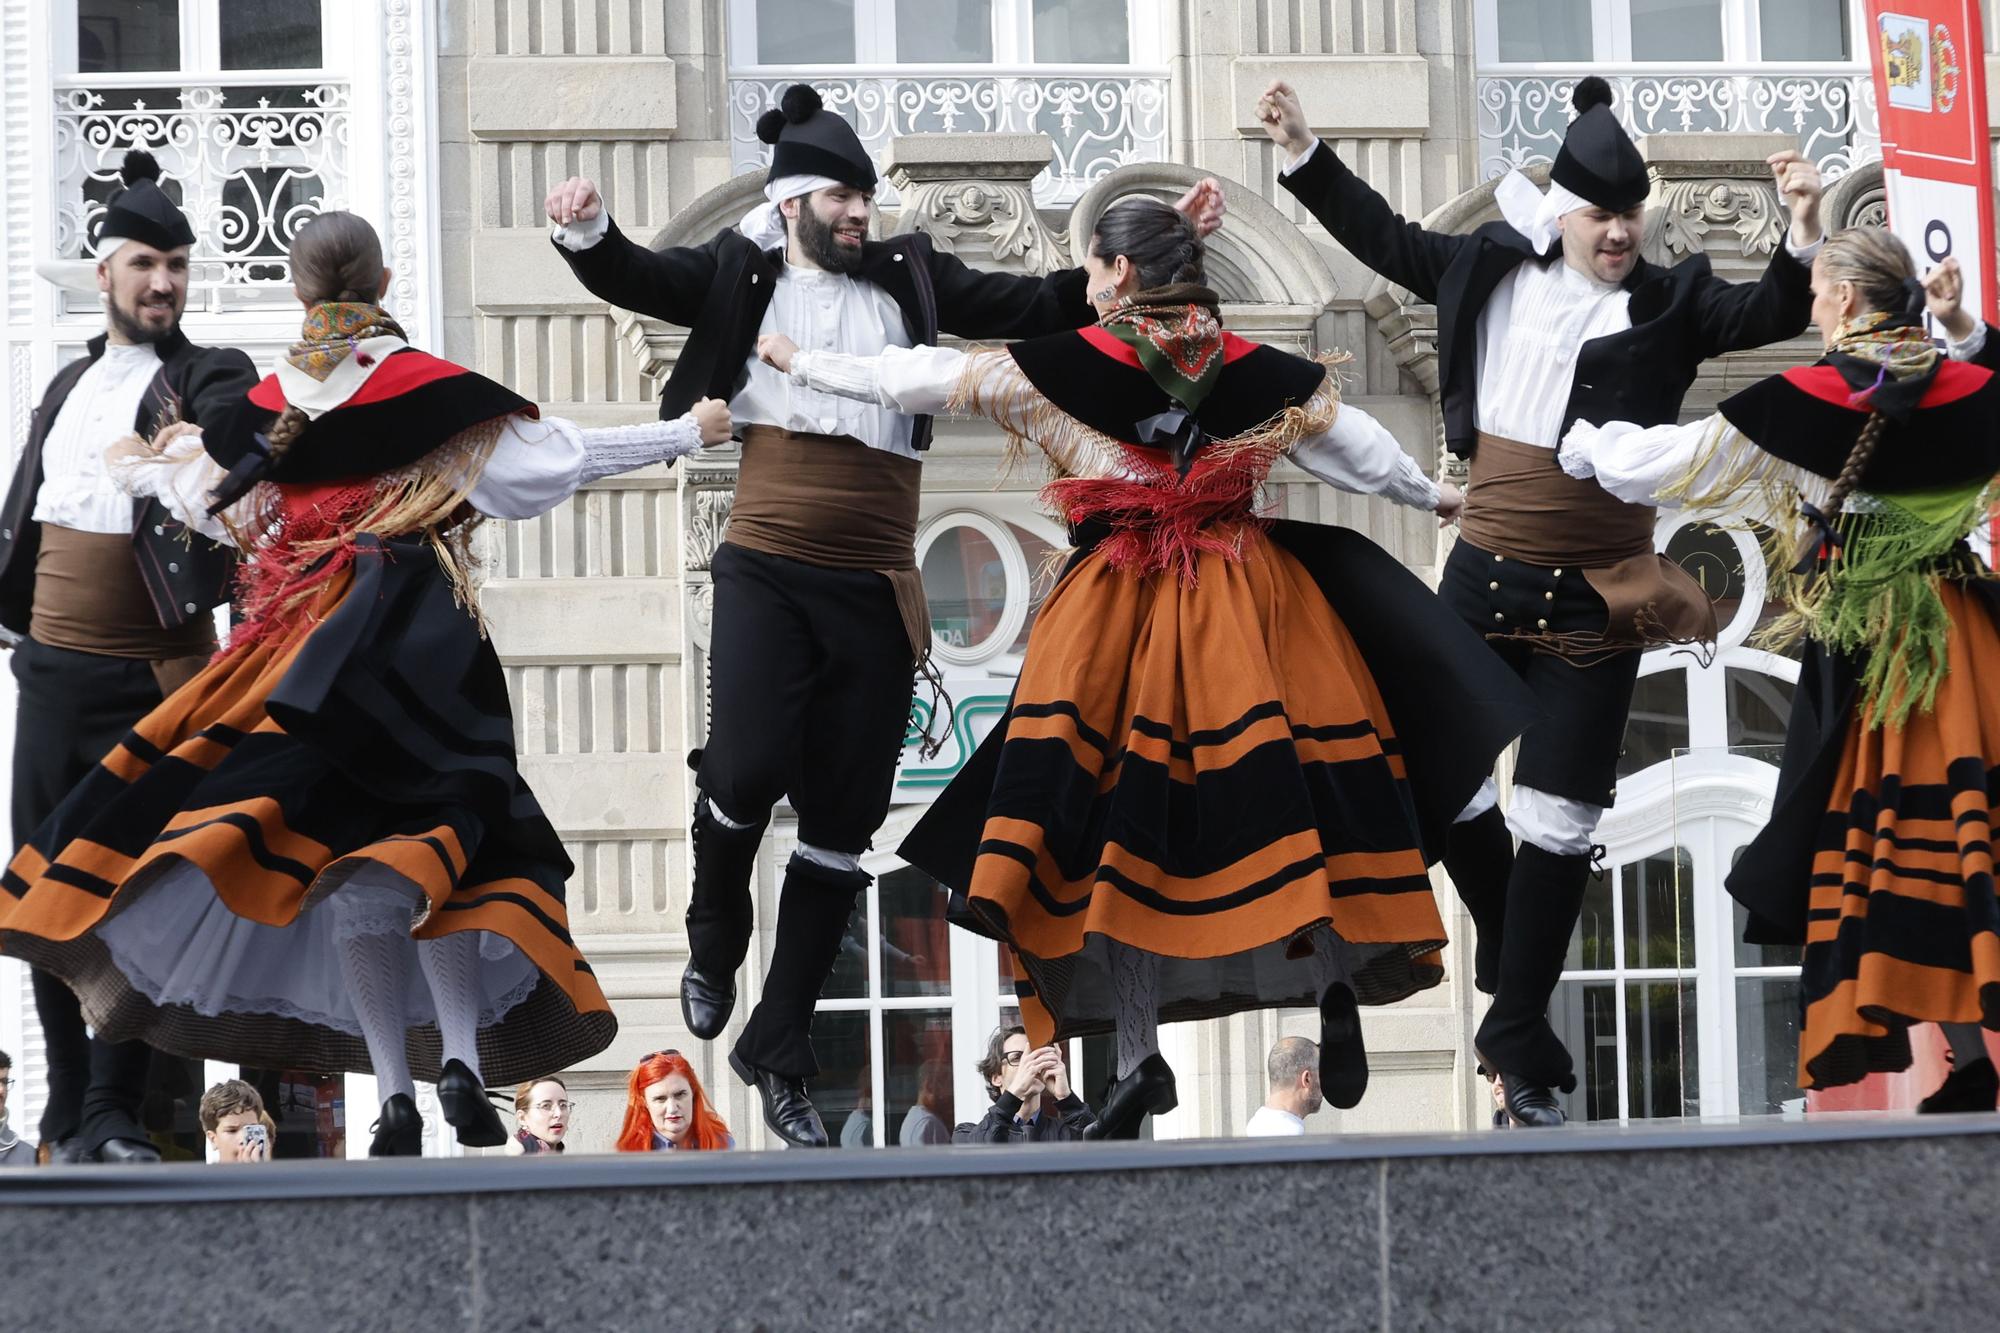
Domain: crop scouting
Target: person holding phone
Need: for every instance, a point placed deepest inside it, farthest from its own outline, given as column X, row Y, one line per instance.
column 1032, row 1098
column 234, row 1121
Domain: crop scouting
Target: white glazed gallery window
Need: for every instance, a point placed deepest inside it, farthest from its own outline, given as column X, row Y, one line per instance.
column 1666, row 1012
column 1090, row 74
column 1796, row 67
column 247, row 105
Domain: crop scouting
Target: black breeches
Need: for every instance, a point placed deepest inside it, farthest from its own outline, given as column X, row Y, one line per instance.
column 809, row 695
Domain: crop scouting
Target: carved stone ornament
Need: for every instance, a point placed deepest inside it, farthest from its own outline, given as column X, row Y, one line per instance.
column 1002, row 213
column 708, row 516
column 1690, row 209
column 701, row 614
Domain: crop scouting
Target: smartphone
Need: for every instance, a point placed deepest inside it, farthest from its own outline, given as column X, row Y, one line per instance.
column 254, row 1138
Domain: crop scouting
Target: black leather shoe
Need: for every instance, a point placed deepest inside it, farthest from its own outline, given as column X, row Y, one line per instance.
column 1147, row 1090
column 706, row 1003
column 1343, row 1059
column 787, row 1110
column 1975, row 1087
column 127, row 1152
column 466, row 1108
column 400, row 1130
column 1530, row 1105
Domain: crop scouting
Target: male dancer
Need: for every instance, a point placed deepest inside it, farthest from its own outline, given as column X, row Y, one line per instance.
column 106, row 599
column 1545, row 318
column 819, row 609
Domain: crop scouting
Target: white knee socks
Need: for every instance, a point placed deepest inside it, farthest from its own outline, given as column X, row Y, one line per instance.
column 373, row 966
column 1135, row 982
column 451, row 965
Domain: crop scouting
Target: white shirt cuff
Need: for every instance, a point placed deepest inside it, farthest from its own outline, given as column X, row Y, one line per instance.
column 1805, row 254
column 583, row 235
column 1300, row 160
column 1974, row 344
column 855, row 377
column 1574, row 453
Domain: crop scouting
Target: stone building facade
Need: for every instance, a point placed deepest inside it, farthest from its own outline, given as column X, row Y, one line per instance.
column 1003, row 127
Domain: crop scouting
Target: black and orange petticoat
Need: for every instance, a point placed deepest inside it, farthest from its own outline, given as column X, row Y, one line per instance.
column 1879, row 855
column 1210, row 768
column 375, row 736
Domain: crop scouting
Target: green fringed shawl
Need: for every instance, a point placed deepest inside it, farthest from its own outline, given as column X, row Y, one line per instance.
column 1877, row 597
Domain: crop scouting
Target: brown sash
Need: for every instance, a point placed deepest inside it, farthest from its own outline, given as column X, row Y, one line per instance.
column 1521, row 504
column 832, row 501
column 89, row 599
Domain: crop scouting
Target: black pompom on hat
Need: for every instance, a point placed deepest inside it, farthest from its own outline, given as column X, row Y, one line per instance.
column 141, row 210
column 1598, row 160
column 808, row 140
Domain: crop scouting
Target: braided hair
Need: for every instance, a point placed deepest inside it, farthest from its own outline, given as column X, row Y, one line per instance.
column 335, row 257
column 1156, row 239
column 1883, row 276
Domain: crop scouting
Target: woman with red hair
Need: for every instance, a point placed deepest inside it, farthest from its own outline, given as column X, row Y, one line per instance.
column 666, row 1110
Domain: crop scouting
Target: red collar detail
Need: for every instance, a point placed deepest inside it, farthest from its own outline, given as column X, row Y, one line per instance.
column 1955, row 380
column 398, row 374
column 1233, row 347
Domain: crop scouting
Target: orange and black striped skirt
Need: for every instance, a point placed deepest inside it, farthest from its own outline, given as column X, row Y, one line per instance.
column 192, row 888
column 1903, row 925
column 1202, row 769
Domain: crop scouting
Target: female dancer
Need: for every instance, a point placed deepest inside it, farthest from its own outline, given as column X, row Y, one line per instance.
column 667, row 1111
column 1872, row 466
column 1235, row 745
column 320, row 852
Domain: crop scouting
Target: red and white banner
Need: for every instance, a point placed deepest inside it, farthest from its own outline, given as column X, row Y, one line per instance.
column 1930, row 93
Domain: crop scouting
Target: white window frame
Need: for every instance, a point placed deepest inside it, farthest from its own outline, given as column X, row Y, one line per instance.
column 341, row 41
column 1611, row 42
column 1013, row 41
column 1709, row 803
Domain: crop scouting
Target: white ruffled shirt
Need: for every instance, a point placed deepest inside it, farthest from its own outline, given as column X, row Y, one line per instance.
column 77, row 491
column 821, row 312
column 1356, row 454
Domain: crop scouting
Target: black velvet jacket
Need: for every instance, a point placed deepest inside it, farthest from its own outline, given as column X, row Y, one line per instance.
column 1058, row 1122
column 719, row 292
column 185, row 576
column 1681, row 316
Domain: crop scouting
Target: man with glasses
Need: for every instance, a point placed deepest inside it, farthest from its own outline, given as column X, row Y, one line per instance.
column 1032, row 1099
column 13, row 1152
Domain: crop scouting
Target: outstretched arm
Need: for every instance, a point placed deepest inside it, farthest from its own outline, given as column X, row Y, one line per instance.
column 537, row 464
column 915, row 380
column 669, row 284
column 976, row 304
column 1358, row 454
column 1967, row 338
column 1705, row 466
column 1404, row 252
column 1737, row 315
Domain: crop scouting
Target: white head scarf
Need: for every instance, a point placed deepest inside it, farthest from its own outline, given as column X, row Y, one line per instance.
column 1532, row 212
column 764, row 225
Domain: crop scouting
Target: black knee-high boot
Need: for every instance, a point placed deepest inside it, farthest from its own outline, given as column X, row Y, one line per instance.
column 1479, row 857
column 720, row 918
column 775, row 1054
column 111, row 1131
column 1544, row 898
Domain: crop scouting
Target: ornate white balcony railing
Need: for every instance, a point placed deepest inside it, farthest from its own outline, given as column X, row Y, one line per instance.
column 249, row 165
column 1098, row 121
column 1832, row 112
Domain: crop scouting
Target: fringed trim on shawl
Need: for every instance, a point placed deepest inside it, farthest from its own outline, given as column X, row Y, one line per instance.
column 300, row 538
column 1876, row 598
column 1160, row 520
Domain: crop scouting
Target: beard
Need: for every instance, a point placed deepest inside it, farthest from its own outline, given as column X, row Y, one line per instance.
column 817, row 240
column 134, row 329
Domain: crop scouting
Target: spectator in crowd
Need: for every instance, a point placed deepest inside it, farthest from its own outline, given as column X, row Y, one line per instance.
column 927, row 1121
column 235, row 1122
column 1032, row 1100
column 1293, row 1067
column 541, row 1114
column 666, row 1110
column 13, row 1152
